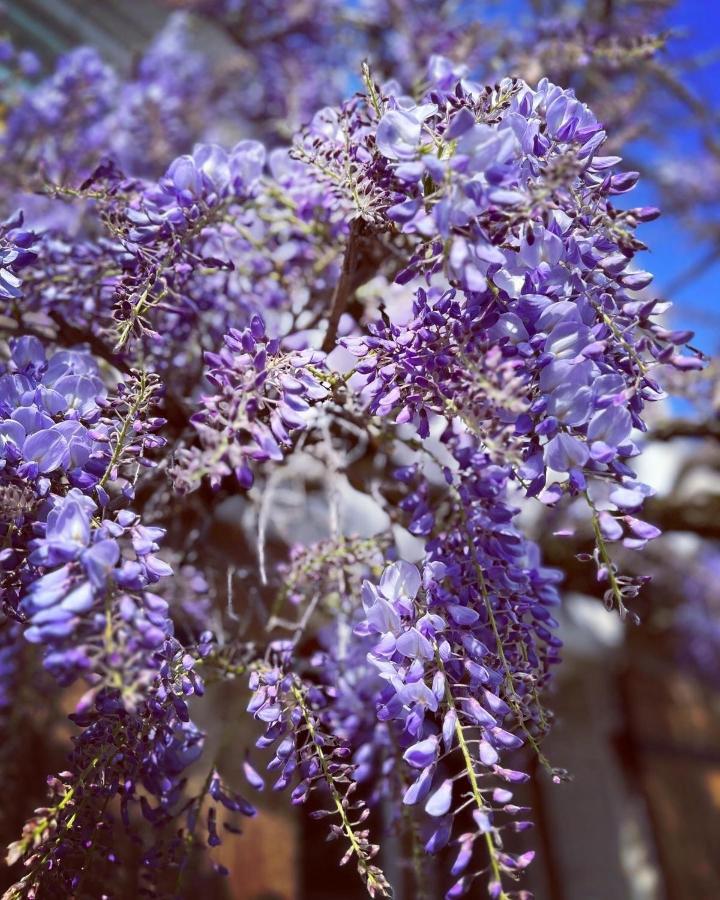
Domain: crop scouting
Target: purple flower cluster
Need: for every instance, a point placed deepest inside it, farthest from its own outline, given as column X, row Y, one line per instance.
column 432, row 301
column 61, row 126
column 304, row 750
column 264, row 394
column 48, row 409
column 58, row 423
column 62, row 561
column 510, row 206
column 77, row 568
column 16, row 252
column 203, row 178
column 132, row 755
column 72, row 607
column 60, row 123
column 281, row 250
column 163, row 229
column 426, row 368
column 444, row 692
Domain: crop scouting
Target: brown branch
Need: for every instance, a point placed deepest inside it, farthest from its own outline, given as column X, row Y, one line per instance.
column 698, row 515
column 345, row 287
column 686, row 428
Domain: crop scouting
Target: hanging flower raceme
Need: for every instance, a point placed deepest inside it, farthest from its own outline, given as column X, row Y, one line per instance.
column 78, row 574
column 442, row 696
column 264, row 394
column 77, row 570
column 60, row 429
column 161, row 227
column 431, row 366
column 304, row 751
column 137, row 756
column 47, row 411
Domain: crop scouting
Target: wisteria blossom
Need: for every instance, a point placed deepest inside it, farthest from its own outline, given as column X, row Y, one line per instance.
column 427, row 296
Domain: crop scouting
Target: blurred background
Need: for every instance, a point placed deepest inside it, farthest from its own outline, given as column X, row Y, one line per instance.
column 637, row 708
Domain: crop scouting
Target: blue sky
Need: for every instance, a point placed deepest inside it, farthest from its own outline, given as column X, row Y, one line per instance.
column 672, row 249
